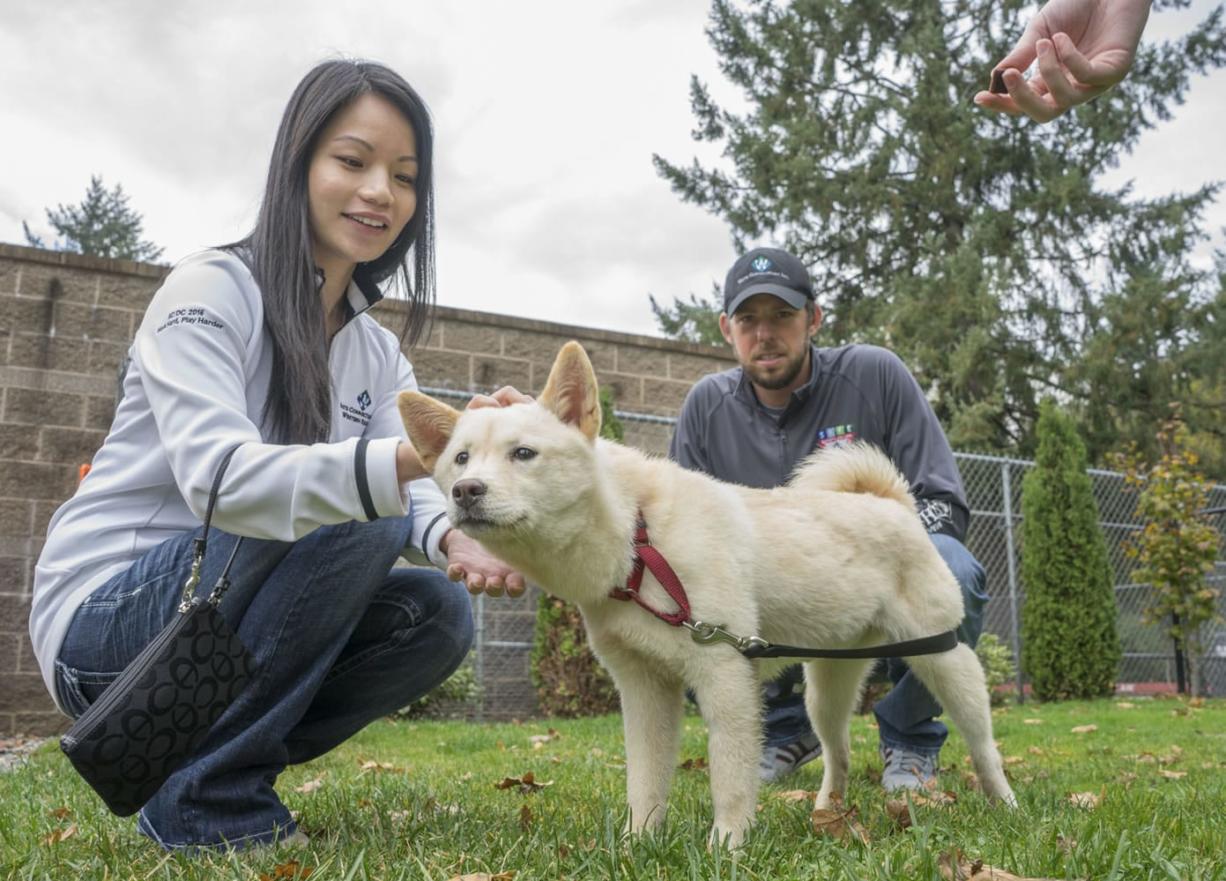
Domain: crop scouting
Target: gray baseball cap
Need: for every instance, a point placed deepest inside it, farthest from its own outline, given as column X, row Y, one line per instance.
column 767, row 271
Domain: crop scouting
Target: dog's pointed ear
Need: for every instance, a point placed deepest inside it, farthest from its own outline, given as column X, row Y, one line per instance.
column 429, row 424
column 571, row 393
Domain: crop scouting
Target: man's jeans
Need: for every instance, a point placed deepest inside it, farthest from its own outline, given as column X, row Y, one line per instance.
column 905, row 716
column 339, row 639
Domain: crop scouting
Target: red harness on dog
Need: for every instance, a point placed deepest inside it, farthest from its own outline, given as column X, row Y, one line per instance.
column 647, row 557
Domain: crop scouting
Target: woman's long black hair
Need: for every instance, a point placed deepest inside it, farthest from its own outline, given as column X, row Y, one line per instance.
column 279, row 253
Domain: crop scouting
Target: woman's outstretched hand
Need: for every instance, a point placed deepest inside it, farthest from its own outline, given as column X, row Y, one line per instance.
column 1084, row 47
column 480, row 570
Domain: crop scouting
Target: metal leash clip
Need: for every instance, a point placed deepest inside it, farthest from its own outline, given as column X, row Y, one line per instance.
column 709, row 634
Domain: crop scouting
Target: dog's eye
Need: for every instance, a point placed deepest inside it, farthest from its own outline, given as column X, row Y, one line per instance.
column 461, row 458
column 523, row 454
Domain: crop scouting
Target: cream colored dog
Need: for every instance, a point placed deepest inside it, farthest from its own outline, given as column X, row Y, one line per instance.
column 836, row 558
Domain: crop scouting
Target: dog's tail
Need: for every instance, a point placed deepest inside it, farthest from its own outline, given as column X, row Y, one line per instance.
column 854, row 468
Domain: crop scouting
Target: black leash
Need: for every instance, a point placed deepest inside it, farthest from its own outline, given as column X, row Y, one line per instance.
column 754, row 647
column 927, row 645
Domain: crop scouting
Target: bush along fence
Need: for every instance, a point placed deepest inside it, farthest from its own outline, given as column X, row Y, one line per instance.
column 505, row 628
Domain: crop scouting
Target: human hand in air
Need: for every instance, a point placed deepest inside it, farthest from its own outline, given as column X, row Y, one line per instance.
column 1084, row 47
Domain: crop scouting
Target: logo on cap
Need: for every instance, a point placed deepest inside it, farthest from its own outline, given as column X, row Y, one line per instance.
column 761, row 264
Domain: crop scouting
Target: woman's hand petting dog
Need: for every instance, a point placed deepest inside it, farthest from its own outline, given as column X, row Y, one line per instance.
column 504, row 397
column 480, row 570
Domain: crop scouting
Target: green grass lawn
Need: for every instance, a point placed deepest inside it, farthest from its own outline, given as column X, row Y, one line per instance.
column 419, row 800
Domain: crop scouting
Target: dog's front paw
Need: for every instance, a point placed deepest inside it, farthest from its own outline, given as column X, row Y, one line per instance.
column 729, row 839
column 827, row 801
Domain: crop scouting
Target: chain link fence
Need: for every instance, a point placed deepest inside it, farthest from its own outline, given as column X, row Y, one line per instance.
column 994, row 491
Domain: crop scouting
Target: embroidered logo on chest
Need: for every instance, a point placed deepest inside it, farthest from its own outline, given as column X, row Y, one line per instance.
column 358, row 414
column 836, row 435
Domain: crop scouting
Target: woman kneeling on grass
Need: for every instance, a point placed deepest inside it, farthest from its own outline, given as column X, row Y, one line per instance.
column 265, row 346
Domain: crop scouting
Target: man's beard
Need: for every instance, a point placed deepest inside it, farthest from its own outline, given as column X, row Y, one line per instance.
column 791, row 369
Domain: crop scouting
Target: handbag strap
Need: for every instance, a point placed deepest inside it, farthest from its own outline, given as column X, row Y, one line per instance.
column 200, row 544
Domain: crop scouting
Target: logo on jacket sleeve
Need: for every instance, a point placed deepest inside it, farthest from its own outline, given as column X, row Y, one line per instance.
column 935, row 514
column 836, row 435
column 364, row 400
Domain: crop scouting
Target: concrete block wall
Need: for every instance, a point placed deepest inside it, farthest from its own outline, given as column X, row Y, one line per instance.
column 65, row 324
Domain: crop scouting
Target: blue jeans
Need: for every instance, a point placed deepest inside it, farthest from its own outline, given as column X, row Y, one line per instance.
column 339, row 639
column 906, row 717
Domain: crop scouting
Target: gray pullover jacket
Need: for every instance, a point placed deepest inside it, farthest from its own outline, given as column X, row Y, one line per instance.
column 854, row 392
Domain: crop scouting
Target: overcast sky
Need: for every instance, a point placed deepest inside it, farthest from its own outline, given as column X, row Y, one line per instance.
column 547, row 114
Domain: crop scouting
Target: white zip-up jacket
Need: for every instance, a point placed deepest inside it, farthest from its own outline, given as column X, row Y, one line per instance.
column 201, row 362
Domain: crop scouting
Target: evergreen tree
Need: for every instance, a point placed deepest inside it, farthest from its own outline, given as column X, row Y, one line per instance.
column 1070, row 648
column 983, row 249
column 695, row 321
column 102, row 225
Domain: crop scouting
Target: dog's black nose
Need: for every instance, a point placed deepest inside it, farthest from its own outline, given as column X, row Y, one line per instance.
column 467, row 492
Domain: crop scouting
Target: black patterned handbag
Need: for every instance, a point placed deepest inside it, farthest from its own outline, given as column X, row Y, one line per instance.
column 150, row 720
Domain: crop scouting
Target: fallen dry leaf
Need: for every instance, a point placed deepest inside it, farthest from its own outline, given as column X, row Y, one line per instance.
column 1032, row 721
column 1172, row 757
column 899, row 811
column 838, row 823
column 1066, row 845
column 525, row 817
column 1035, row 750
column 525, row 784
column 1088, row 800
column 1014, row 760
column 1172, row 775
column 59, row 835
column 292, row 870
column 1124, row 705
column 311, row 785
column 539, row 740
column 1126, row 779
column 956, row 867
column 1196, row 703
column 698, row 764
column 796, row 795
column 368, row 767
column 970, row 779
column 484, row 876
column 60, row 813
column 1084, row 729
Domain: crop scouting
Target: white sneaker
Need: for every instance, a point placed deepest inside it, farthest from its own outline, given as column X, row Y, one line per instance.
column 779, row 761
column 907, row 769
